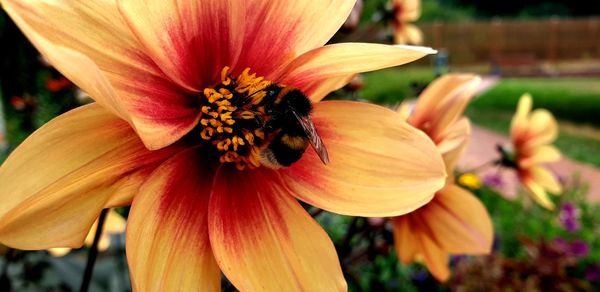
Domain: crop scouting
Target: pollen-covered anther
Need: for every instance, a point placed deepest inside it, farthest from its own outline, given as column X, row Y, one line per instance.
column 233, row 118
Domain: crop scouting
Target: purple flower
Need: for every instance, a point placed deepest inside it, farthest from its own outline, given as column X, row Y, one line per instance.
column 569, row 217
column 592, row 273
column 493, row 180
column 580, row 248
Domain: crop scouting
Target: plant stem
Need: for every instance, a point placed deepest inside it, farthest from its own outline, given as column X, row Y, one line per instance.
column 93, row 253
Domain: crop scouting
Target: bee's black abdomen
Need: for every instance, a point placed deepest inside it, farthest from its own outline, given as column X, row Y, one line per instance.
column 284, row 154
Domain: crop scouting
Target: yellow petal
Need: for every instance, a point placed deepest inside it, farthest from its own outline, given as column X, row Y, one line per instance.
column 545, row 179
column 264, row 240
column 53, row 186
column 520, row 119
column 459, row 222
column 380, row 166
column 414, row 35
column 543, row 128
column 342, row 60
column 541, row 154
column 89, row 42
column 59, row 251
column 167, row 235
column 538, row 194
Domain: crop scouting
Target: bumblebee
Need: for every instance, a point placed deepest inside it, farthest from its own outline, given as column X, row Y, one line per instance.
column 293, row 130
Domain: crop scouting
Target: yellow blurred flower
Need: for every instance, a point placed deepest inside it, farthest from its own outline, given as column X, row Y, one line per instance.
column 405, row 12
column 532, row 132
column 455, row 221
column 470, row 180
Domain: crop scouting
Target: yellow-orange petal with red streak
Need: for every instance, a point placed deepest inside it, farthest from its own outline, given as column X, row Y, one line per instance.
column 380, row 166
column 459, row 222
column 341, row 60
column 167, row 234
column 443, row 103
column 57, row 181
column 89, row 42
column 193, row 40
column 264, row 240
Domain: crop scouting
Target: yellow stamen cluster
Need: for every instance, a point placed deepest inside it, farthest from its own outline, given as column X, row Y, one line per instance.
column 233, row 118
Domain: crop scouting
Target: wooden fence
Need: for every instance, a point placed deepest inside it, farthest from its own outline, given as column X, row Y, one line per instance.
column 548, row 40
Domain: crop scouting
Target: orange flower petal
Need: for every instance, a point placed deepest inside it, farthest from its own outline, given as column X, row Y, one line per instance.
column 453, row 143
column 454, row 222
column 54, row 185
column 459, row 222
column 443, row 103
column 380, row 166
column 193, row 40
column 405, row 239
column 264, row 240
column 90, row 44
column 414, row 241
column 436, row 259
column 167, row 235
column 340, row 61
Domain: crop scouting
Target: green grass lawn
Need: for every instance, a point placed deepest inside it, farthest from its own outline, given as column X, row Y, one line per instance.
column 391, row 86
column 571, row 99
column 574, row 101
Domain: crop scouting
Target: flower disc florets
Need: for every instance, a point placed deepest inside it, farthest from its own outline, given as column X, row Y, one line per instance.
column 234, row 116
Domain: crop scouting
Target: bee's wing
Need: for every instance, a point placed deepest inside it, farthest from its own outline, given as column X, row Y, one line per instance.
column 313, row 137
